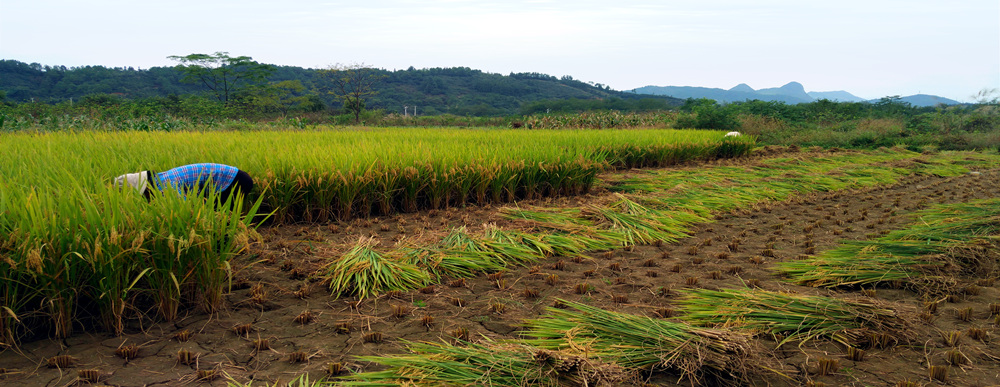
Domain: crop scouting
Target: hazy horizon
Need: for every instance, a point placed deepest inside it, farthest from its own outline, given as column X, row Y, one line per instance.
column 870, row 49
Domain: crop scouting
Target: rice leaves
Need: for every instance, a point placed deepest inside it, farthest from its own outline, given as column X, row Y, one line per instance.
column 489, row 363
column 638, row 224
column 796, row 318
column 365, row 273
column 581, row 346
column 949, row 237
column 847, row 266
column 640, row 342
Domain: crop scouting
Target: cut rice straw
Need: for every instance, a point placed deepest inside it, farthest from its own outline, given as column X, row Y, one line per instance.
column 944, row 238
column 796, row 318
column 640, row 342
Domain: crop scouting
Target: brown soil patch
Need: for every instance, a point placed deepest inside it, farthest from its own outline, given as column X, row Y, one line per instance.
column 281, row 323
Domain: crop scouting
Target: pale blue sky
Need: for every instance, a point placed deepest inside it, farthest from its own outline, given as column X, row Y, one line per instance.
column 870, row 48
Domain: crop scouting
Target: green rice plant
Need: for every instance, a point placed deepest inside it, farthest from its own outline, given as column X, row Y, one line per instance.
column 797, row 318
column 337, row 171
column 386, row 187
column 640, row 342
column 412, row 184
column 280, row 194
column 365, row 273
column 350, row 187
column 733, row 147
column 16, row 293
column 439, row 187
column 117, row 244
column 464, row 179
column 504, row 187
column 116, row 266
column 480, row 177
column 193, row 246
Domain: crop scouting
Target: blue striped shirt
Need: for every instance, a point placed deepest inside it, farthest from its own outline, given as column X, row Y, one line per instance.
column 197, row 175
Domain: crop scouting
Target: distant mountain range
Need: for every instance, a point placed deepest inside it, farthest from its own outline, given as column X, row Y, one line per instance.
column 791, row 93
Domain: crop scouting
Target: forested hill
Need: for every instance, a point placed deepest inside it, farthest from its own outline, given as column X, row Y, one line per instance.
column 459, row 91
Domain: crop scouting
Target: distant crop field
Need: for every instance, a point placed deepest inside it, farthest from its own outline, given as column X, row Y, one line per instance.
column 76, row 248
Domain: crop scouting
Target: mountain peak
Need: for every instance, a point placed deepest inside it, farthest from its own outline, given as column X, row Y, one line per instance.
column 743, row 87
column 793, row 87
column 835, row 96
column 791, row 93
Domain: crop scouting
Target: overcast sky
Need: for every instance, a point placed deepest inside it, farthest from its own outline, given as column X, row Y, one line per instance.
column 870, row 48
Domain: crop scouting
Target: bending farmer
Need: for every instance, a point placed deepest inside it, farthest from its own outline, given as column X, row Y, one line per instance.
column 227, row 180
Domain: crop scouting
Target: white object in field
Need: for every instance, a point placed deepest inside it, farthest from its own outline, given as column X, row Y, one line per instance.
column 732, row 134
column 974, row 173
column 137, row 180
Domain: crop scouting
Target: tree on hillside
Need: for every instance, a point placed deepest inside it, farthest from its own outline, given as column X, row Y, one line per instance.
column 987, row 96
column 353, row 84
column 283, row 96
column 222, row 74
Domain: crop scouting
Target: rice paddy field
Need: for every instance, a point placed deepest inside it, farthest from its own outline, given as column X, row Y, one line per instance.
column 498, row 257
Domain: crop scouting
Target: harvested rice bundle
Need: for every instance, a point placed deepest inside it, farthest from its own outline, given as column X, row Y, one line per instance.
column 963, row 237
column 845, row 266
column 459, row 255
column 640, row 342
column 793, row 317
column 364, row 272
column 636, row 223
column 508, row 363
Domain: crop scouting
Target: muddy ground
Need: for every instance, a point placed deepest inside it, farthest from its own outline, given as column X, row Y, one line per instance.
column 280, row 322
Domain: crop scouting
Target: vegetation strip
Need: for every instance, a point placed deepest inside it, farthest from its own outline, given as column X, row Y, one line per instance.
column 580, row 345
column 326, row 174
column 367, row 272
column 796, row 318
column 654, row 217
column 949, row 237
column 506, row 363
column 77, row 251
column 640, row 342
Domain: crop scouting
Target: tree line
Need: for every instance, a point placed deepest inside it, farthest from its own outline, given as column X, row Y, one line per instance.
column 233, row 92
column 230, row 86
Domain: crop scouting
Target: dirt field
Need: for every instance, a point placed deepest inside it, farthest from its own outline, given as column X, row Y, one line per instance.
column 280, row 322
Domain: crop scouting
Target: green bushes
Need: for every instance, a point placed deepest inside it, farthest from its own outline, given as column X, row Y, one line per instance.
column 851, row 124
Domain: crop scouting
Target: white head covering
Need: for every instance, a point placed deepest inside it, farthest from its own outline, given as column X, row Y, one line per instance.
column 138, row 180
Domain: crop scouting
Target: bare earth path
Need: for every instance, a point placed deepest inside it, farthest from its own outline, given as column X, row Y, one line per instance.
column 281, row 323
